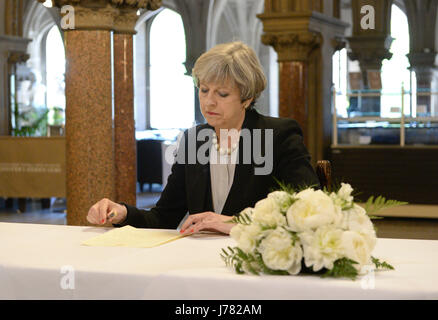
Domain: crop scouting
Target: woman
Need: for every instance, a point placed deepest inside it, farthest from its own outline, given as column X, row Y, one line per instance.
column 230, row 79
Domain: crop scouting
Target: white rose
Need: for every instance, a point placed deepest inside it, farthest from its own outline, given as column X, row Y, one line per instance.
column 356, row 219
column 313, row 210
column 345, row 192
column 338, row 202
column 343, row 197
column 267, row 213
column 279, row 253
column 322, row 247
column 356, row 248
column 246, row 236
column 283, row 199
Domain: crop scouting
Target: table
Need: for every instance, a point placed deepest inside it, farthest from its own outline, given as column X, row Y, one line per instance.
column 48, row 262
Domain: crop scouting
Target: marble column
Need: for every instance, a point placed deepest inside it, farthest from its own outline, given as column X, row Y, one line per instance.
column 422, row 16
column 89, row 136
column 124, row 122
column 427, row 75
column 90, row 151
column 89, row 127
column 293, row 92
column 124, row 125
column 293, row 57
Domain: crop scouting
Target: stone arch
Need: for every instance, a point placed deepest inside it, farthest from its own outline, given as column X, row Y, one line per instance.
column 142, row 60
column 37, row 22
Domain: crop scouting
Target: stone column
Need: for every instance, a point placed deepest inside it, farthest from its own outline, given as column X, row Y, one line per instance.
column 302, row 37
column 88, row 87
column 422, row 16
column 293, row 57
column 124, row 124
column 371, row 46
column 423, row 63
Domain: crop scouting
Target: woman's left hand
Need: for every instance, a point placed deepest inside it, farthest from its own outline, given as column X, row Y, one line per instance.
column 207, row 221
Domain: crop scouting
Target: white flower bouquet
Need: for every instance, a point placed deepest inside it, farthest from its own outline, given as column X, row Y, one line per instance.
column 310, row 231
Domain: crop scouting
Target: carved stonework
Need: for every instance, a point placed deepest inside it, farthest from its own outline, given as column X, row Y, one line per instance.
column 293, row 46
column 338, row 43
column 125, row 21
column 17, row 57
column 60, row 3
column 293, row 6
column 127, row 17
column 370, row 46
column 92, row 19
column 118, row 15
column 139, row 4
column 422, row 16
column 423, row 63
column 134, row 4
column 422, row 59
column 370, row 51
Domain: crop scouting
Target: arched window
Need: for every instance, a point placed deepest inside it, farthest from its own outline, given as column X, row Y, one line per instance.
column 40, row 91
column 171, row 92
column 55, row 76
column 340, row 73
column 395, row 72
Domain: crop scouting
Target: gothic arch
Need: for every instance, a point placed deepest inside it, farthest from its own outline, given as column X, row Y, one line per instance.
column 37, row 22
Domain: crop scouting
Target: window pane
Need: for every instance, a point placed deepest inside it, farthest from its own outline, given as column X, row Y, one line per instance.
column 395, row 72
column 55, row 68
column 171, row 91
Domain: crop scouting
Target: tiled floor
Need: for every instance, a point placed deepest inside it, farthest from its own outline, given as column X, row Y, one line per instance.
column 389, row 227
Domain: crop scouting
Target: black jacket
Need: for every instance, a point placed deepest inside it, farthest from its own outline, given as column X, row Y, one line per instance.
column 188, row 187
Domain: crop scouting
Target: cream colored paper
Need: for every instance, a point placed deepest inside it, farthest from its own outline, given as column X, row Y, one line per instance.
column 132, row 237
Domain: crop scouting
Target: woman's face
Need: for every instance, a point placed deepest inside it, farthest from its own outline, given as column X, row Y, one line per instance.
column 221, row 105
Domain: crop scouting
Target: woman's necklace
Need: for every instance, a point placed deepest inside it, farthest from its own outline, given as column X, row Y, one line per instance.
column 221, row 150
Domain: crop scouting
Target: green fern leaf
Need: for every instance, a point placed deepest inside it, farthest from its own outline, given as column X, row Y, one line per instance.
column 373, row 206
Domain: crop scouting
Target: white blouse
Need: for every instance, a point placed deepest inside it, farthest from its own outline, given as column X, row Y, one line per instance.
column 222, row 169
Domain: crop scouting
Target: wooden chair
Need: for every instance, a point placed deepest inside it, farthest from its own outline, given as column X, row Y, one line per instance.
column 324, row 172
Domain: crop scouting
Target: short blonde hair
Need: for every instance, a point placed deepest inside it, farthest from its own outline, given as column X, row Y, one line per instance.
column 233, row 61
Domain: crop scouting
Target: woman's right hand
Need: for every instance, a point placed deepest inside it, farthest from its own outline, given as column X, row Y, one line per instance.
column 98, row 213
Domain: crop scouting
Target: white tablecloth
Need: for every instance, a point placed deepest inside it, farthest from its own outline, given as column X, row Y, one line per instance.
column 36, row 260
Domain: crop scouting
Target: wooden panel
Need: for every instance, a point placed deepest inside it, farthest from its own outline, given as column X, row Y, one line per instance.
column 407, row 228
column 32, row 167
column 406, row 174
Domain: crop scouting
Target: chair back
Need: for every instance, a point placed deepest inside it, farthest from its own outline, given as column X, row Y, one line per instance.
column 324, row 172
